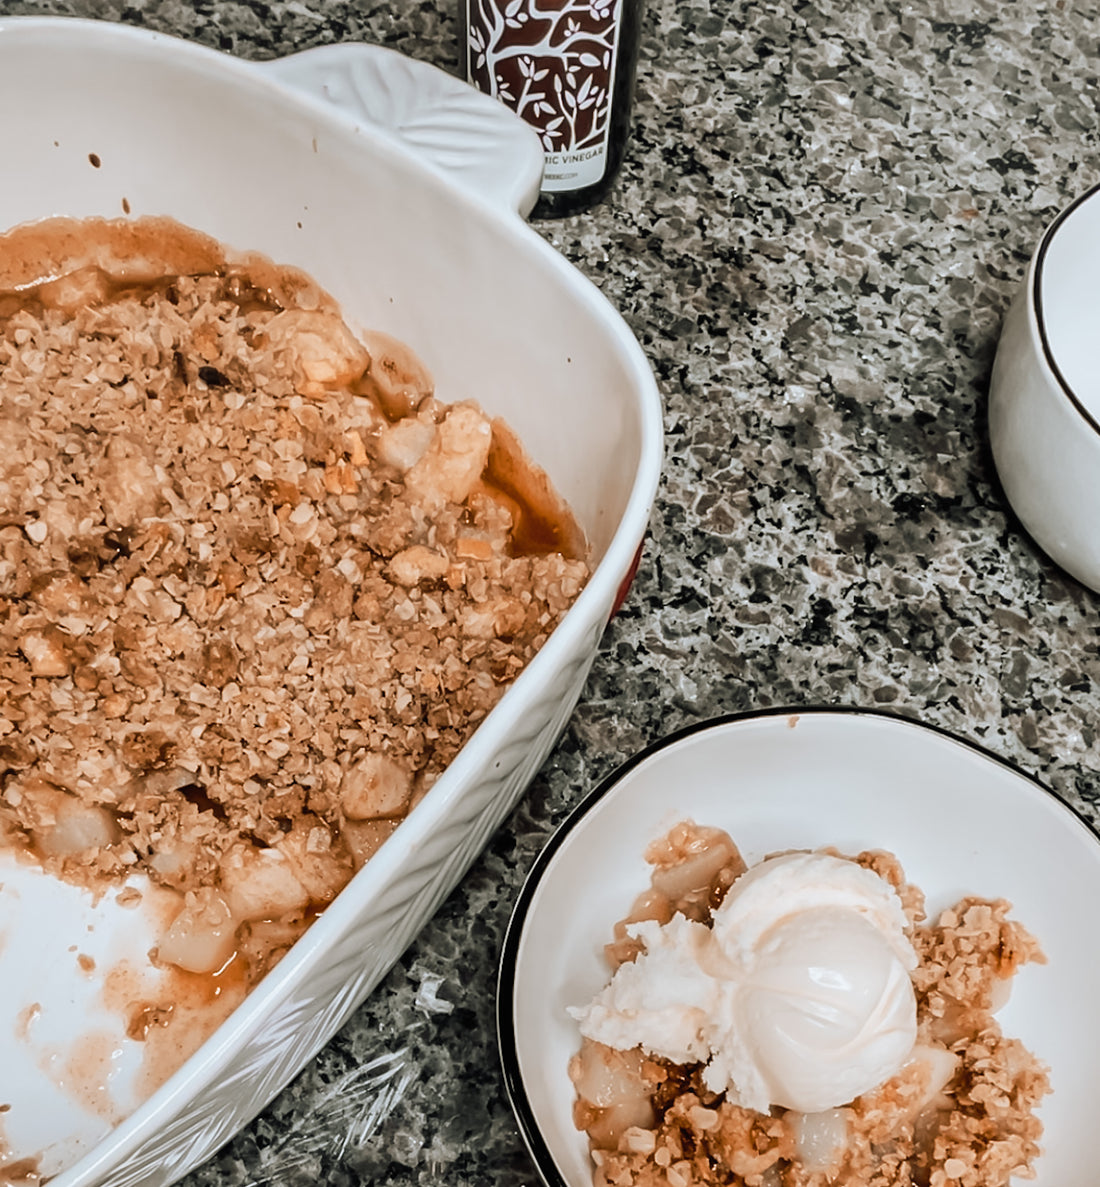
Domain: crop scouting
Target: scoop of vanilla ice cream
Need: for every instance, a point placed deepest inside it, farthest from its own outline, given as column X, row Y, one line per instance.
column 825, row 1009
column 797, row 996
column 826, row 1014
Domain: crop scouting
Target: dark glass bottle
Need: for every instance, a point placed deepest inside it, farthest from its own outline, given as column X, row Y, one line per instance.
column 567, row 67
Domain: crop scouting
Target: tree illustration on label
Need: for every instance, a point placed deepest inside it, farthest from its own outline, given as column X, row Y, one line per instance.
column 553, row 63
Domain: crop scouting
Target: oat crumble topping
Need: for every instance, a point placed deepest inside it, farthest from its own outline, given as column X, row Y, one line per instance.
column 257, row 588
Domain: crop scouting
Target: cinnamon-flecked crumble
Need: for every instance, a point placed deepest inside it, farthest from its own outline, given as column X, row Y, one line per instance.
column 257, row 584
column 960, row 1114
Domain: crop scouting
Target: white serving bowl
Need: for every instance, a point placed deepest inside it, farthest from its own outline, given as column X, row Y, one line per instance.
column 400, row 189
column 1044, row 399
column 961, row 821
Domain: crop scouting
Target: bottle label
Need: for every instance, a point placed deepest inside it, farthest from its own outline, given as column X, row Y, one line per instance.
column 552, row 62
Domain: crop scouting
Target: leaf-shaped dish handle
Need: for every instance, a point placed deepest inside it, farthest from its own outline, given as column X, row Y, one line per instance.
column 471, row 137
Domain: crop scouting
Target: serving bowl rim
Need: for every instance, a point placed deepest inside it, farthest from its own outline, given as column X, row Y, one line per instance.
column 1041, row 321
column 514, row 1084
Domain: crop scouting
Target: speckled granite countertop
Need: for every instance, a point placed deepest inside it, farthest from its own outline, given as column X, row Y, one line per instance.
column 825, row 211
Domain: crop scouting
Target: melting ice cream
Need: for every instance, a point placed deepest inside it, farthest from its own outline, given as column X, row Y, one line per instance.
column 798, row 995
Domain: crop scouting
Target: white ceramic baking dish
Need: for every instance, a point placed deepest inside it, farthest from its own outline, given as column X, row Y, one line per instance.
column 401, row 190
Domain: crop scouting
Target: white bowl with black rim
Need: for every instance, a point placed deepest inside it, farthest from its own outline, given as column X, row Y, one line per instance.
column 962, row 822
column 1044, row 398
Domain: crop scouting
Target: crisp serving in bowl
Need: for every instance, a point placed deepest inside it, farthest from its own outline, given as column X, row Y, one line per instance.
column 873, row 807
column 405, row 250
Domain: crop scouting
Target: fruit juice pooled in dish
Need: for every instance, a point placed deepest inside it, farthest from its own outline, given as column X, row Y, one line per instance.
column 796, row 1024
column 258, row 586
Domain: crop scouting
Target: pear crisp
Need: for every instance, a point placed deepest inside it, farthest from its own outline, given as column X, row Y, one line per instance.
column 257, row 584
column 960, row 1112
